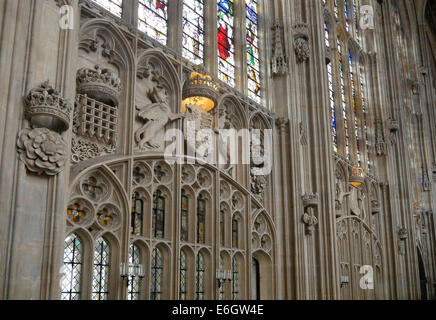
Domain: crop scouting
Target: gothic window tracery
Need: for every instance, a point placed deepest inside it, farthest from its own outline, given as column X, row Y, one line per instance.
column 351, row 135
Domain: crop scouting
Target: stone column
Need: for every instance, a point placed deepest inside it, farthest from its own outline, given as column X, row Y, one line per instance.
column 34, row 175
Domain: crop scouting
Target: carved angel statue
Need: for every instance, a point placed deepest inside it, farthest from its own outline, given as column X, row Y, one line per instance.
column 156, row 115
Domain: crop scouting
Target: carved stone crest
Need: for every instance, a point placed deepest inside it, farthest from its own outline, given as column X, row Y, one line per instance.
column 100, row 84
column 45, row 107
column 301, row 41
column 42, row 151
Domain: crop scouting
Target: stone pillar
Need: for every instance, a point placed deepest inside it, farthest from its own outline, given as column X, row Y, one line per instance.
column 35, row 49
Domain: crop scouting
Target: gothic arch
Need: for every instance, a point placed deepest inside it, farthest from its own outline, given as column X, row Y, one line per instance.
column 232, row 100
column 164, row 73
column 119, row 51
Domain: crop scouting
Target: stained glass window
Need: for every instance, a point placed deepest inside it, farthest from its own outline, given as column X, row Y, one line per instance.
column 183, row 276
column 326, row 34
column 235, row 235
column 133, row 290
column 235, row 279
column 226, row 48
column 156, row 275
column 356, row 8
column 152, row 19
column 343, row 99
column 193, row 31
column 201, row 216
column 137, row 215
column 76, row 212
column 222, row 228
column 158, row 214
column 199, row 277
column 355, row 110
column 114, row 6
column 222, row 288
column 332, row 107
column 72, row 273
column 184, row 217
column 100, row 285
column 253, row 65
column 365, row 115
column 347, row 15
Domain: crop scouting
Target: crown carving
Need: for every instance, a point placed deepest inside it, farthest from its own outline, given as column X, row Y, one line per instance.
column 201, row 85
column 300, row 30
column 45, row 107
column 100, row 84
column 310, row 199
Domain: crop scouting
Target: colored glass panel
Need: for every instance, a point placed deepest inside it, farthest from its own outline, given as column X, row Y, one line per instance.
column 226, row 49
column 252, row 35
column 153, row 19
column 193, row 31
column 113, row 6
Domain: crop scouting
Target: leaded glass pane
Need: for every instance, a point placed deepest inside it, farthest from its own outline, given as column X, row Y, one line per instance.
column 222, row 288
column 226, row 50
column 355, row 110
column 184, row 217
column 114, row 6
column 158, row 214
column 235, row 279
column 193, row 31
column 137, row 215
column 156, row 275
column 252, row 36
column 365, row 115
column 71, row 279
column 100, row 279
column 133, row 289
column 343, row 99
column 222, row 228
column 235, row 235
column 153, row 17
column 332, row 107
column 199, row 277
column 183, row 276
column 201, row 212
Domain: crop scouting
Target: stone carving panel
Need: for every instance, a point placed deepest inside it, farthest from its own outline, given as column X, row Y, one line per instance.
column 43, row 151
